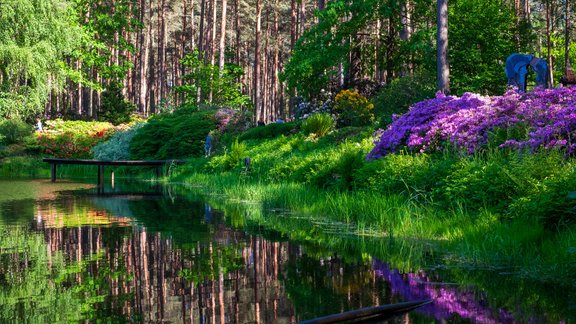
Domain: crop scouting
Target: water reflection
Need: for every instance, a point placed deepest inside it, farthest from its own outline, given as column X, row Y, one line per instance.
column 144, row 258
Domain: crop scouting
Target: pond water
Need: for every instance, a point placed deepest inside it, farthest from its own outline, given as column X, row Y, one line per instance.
column 144, row 254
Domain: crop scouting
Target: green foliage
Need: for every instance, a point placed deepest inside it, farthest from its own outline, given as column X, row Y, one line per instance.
column 35, row 36
column 104, row 46
column 480, row 42
column 206, row 78
column 318, row 124
column 117, row 147
column 353, row 109
column 236, row 154
column 72, row 139
column 397, row 96
column 14, row 131
column 271, row 130
column 114, row 107
column 174, row 135
column 323, row 47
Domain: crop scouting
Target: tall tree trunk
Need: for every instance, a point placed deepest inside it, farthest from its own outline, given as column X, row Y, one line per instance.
column 145, row 38
column 257, row 92
column 238, row 30
column 201, row 30
column 567, row 67
column 222, row 36
column 213, row 33
column 275, row 79
column 162, row 50
column 406, row 33
column 293, row 28
column 302, row 24
column 549, row 10
column 443, row 70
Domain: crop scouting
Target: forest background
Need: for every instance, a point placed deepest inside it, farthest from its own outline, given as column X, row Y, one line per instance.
column 57, row 57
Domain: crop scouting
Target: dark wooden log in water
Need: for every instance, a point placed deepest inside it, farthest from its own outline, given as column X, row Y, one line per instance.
column 369, row 313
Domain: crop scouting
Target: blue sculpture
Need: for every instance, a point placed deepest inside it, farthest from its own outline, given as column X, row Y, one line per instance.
column 517, row 69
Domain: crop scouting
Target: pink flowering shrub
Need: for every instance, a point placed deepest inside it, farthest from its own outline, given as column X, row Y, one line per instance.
column 467, row 123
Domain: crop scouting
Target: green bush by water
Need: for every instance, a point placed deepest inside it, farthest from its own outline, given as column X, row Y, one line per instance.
column 176, row 135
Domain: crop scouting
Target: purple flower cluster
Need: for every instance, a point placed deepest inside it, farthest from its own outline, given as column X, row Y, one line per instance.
column 548, row 115
column 225, row 116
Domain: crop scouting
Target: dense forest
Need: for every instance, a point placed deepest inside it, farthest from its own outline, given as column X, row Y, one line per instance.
column 58, row 57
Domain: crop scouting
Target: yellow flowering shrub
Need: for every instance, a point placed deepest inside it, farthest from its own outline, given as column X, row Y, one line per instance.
column 353, row 109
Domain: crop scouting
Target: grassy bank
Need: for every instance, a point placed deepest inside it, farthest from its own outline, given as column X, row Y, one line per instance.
column 499, row 209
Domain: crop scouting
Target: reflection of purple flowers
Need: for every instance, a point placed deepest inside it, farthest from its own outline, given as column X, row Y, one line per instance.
column 547, row 115
column 448, row 300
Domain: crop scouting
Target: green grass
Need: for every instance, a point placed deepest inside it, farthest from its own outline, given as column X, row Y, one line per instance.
column 456, row 237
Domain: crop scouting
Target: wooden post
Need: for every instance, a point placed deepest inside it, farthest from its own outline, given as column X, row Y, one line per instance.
column 53, row 171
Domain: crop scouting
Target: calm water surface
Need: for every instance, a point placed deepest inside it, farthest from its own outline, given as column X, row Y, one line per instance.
column 144, row 254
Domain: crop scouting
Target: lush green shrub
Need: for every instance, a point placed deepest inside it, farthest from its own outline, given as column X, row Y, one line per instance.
column 14, row 131
column 117, row 147
column 236, row 154
column 353, row 109
column 397, row 96
column 338, row 169
column 174, row 135
column 269, row 131
column 415, row 176
column 72, row 139
column 115, row 108
column 319, row 124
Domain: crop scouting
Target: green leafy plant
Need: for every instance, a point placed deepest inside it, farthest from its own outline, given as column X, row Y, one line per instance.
column 14, row 131
column 271, row 130
column 237, row 153
column 319, row 124
column 397, row 96
column 115, row 108
column 174, row 135
column 205, row 79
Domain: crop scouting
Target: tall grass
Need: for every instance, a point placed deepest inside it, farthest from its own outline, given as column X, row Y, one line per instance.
column 459, row 232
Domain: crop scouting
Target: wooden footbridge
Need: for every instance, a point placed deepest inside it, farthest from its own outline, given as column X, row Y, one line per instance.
column 158, row 164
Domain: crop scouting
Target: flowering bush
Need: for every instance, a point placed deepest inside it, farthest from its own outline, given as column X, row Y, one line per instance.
column 72, row 139
column 228, row 119
column 322, row 103
column 546, row 119
column 353, row 109
column 117, row 147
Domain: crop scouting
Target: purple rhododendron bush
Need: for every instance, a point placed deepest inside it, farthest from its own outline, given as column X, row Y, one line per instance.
column 546, row 118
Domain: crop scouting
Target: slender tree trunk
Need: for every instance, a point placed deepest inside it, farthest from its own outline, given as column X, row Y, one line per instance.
column 549, row 10
column 275, row 79
column 162, row 50
column 405, row 34
column 222, row 36
column 201, row 30
column 302, row 17
column 257, row 90
column 213, row 33
column 238, row 30
column 293, row 28
column 145, row 58
column 443, row 70
column 567, row 67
